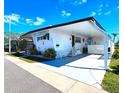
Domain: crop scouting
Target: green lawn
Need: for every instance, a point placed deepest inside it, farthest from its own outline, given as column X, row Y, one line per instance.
column 27, row 60
column 32, row 59
column 111, row 78
column 17, row 54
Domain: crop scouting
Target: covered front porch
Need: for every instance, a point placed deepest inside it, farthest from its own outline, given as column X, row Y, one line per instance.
column 87, row 37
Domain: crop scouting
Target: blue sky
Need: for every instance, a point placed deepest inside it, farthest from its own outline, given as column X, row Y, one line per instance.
column 28, row 15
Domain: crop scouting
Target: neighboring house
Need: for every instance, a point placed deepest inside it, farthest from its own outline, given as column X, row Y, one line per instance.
column 29, row 46
column 73, row 38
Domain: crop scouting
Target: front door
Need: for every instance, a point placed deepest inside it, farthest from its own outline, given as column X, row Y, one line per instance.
column 85, row 49
column 73, row 41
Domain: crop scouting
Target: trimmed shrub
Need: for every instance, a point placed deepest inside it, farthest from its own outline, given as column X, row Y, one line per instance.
column 6, row 48
column 34, row 51
column 50, row 53
column 17, row 53
column 116, row 54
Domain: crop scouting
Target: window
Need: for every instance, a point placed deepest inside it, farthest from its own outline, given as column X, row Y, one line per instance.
column 90, row 41
column 38, row 38
column 45, row 37
column 77, row 39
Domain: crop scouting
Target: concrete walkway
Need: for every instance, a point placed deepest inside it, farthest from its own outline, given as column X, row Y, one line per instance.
column 62, row 83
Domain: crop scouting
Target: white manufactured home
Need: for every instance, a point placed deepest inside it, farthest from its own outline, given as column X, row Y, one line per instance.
column 73, row 38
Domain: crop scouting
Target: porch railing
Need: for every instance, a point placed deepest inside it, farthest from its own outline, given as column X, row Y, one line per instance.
column 96, row 49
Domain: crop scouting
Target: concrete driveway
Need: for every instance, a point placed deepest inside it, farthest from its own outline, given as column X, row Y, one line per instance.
column 84, row 68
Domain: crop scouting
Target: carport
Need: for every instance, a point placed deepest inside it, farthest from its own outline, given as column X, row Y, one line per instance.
column 99, row 42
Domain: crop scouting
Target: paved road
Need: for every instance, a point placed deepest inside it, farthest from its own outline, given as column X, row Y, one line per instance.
column 17, row 80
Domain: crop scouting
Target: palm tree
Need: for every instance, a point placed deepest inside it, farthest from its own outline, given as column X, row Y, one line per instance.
column 114, row 36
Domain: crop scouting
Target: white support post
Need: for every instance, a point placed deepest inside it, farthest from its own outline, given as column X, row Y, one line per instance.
column 105, row 51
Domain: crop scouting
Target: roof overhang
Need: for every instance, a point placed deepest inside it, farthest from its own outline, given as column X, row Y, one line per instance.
column 88, row 27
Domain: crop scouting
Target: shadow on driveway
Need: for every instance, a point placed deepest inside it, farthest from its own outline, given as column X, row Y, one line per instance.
column 63, row 61
column 86, row 67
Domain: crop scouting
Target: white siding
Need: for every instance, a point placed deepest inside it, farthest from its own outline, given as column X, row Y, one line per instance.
column 63, row 40
column 42, row 45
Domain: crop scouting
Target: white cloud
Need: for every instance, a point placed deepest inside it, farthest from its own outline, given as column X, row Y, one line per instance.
column 84, row 1
column 6, row 19
column 73, row 2
column 36, row 22
column 15, row 18
column 79, row 2
column 65, row 13
column 18, row 19
column 68, row 14
column 39, row 21
column 93, row 13
column 107, row 13
column 29, row 21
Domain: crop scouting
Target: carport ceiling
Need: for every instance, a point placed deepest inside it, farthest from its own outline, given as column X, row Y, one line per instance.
column 83, row 28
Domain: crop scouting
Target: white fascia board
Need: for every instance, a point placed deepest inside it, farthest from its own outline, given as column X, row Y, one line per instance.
column 99, row 29
column 104, row 32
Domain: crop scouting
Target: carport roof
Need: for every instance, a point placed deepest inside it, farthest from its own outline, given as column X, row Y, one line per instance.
column 64, row 24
